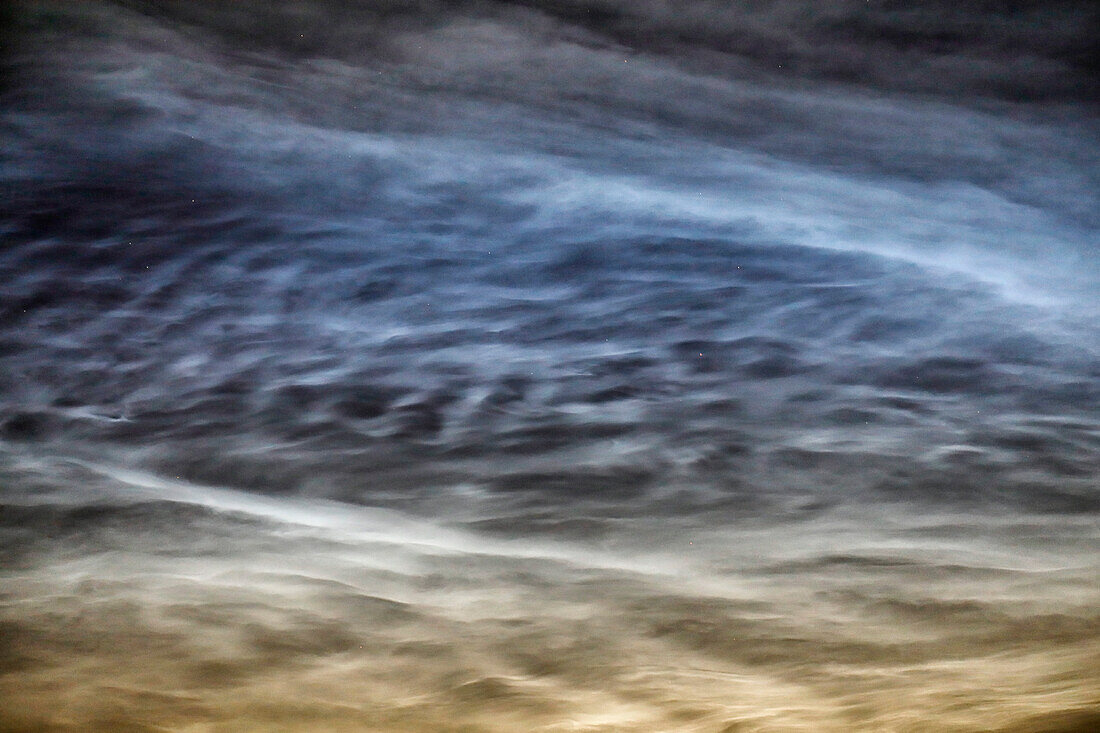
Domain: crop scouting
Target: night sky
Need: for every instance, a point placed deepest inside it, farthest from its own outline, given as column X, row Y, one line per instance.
column 593, row 365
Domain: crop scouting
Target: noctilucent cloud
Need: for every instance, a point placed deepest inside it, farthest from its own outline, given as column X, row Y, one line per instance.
column 593, row 365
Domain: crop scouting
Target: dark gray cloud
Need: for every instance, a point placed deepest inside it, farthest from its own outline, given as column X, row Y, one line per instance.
column 1021, row 50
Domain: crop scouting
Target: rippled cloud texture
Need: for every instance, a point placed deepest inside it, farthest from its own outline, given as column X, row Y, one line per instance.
column 549, row 366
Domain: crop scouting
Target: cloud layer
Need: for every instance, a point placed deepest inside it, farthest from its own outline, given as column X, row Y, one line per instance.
column 554, row 366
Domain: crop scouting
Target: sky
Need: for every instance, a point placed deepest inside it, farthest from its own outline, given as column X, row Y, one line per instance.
column 549, row 366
